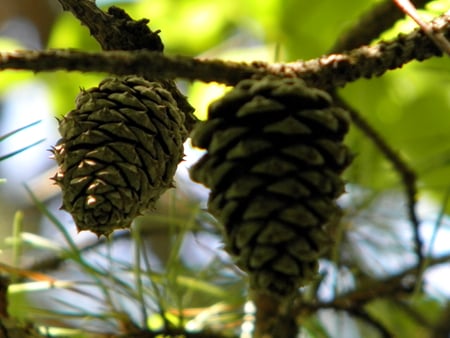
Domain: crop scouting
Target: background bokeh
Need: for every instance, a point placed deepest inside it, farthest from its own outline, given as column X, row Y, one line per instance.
column 409, row 107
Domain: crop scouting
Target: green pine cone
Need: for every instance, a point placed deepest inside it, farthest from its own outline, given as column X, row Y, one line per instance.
column 119, row 151
column 273, row 164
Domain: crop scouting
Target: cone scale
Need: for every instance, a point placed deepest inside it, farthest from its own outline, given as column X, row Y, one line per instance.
column 273, row 164
column 118, row 152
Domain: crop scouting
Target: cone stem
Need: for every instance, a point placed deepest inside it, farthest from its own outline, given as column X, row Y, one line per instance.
column 271, row 318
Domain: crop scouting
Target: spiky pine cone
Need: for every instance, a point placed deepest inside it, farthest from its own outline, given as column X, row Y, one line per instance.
column 118, row 153
column 273, row 163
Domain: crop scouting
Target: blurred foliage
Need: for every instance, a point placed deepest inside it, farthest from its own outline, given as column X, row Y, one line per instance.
column 409, row 107
column 412, row 319
column 114, row 293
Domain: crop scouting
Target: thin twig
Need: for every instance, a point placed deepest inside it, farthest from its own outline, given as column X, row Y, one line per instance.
column 440, row 41
column 370, row 25
column 408, row 176
column 397, row 287
column 352, row 309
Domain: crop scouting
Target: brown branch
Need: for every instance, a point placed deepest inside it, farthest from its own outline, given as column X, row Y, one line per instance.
column 361, row 314
column 114, row 30
column 327, row 71
column 145, row 63
column 409, row 9
column 370, row 25
column 372, row 61
column 355, row 311
column 397, row 286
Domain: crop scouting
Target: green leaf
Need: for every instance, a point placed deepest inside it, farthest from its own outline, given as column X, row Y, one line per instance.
column 406, row 318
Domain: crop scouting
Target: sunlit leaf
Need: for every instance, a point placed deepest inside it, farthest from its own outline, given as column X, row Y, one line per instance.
column 402, row 318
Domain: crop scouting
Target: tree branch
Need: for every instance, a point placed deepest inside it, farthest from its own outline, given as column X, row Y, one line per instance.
column 396, row 286
column 114, row 30
column 408, row 8
column 327, row 71
column 370, row 25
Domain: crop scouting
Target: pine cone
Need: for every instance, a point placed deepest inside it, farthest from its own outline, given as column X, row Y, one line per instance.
column 274, row 156
column 118, row 153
